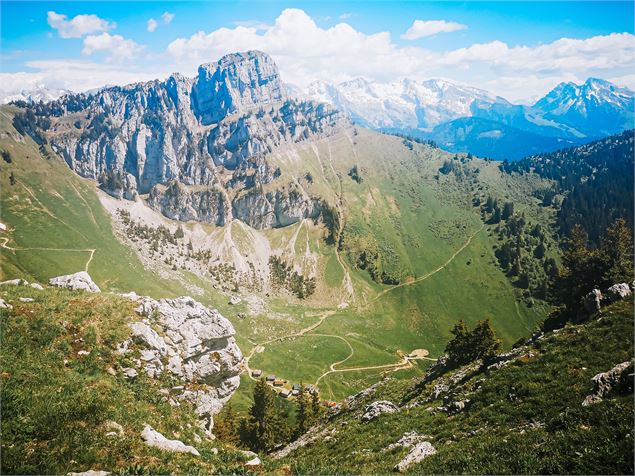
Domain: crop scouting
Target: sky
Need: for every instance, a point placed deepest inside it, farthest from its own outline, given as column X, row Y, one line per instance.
column 517, row 50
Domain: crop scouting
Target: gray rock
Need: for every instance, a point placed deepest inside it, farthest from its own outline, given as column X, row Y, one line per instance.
column 37, row 286
column 26, row 299
column 199, row 346
column 254, row 462
column 618, row 291
column 77, row 281
column 377, row 408
column 233, row 300
column 157, row 440
column 417, row 454
column 14, row 282
column 618, row 380
column 5, row 305
column 437, row 391
column 408, row 440
column 130, row 374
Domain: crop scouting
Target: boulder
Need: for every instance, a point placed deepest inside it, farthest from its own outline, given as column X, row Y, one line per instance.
column 26, row 299
column 437, row 391
column 5, row 305
column 254, row 462
column 194, row 344
column 14, row 282
column 156, row 439
column 377, row 408
column 618, row 291
column 130, row 374
column 618, row 380
column 234, row 300
column 77, row 281
column 37, row 286
column 418, row 453
column 408, row 440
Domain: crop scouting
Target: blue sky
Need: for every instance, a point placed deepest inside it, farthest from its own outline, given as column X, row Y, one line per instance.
column 515, row 49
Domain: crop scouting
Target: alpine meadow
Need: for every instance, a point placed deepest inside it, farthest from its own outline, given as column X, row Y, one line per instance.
column 338, row 238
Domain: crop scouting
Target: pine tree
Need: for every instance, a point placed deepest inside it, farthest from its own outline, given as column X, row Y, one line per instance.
column 580, row 270
column 508, row 210
column 304, row 418
column 616, row 254
column 486, row 344
column 459, row 344
column 316, row 410
column 264, row 418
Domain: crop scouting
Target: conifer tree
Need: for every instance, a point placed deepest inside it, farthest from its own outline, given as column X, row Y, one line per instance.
column 264, row 418
column 616, row 254
column 304, row 419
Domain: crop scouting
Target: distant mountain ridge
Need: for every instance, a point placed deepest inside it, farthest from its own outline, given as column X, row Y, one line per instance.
column 439, row 110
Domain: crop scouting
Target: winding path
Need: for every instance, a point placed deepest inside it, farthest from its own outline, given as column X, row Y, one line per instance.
column 433, row 272
column 5, row 240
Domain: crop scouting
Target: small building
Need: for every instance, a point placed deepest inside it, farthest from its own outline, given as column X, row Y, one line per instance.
column 295, row 393
column 285, row 393
column 271, row 378
column 296, row 386
column 310, row 388
column 256, row 373
column 278, row 382
column 329, row 403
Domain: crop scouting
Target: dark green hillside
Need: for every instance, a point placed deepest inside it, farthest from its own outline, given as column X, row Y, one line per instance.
column 596, row 179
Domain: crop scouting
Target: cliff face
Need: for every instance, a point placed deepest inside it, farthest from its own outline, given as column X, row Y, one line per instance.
column 214, row 130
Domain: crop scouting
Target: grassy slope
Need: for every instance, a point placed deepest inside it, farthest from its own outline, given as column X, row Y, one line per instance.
column 417, row 222
column 49, row 207
column 55, row 402
column 547, row 389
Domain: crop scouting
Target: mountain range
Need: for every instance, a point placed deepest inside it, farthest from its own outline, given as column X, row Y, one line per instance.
column 465, row 119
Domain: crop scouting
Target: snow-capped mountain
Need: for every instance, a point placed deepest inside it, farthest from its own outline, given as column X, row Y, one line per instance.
column 594, row 108
column 438, row 109
column 37, row 93
column 403, row 104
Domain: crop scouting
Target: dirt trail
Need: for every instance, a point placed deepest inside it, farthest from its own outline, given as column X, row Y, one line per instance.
column 433, row 272
column 260, row 347
column 5, row 240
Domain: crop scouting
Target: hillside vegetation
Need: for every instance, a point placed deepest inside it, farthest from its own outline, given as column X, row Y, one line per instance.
column 525, row 417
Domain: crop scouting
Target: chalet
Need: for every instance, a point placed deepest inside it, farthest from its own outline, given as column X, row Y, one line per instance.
column 271, row 378
column 296, row 386
column 278, row 382
column 310, row 388
column 256, row 373
column 295, row 393
column 329, row 404
column 285, row 393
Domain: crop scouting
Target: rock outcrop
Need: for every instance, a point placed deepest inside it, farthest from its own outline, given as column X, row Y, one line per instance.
column 617, row 381
column 417, row 454
column 194, row 344
column 377, row 408
column 204, row 139
column 618, row 291
column 156, row 439
column 78, row 281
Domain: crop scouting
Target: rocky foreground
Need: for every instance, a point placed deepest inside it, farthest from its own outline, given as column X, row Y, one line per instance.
column 161, row 369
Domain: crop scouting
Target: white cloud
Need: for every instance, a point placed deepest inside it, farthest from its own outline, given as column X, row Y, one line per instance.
column 423, row 28
column 167, row 18
column 345, row 16
column 73, row 75
column 116, row 47
column 305, row 52
column 78, row 26
column 152, row 25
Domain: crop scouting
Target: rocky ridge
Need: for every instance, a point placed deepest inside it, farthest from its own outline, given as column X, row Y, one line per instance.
column 193, row 144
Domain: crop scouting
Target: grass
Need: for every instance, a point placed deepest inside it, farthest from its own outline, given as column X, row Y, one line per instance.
column 414, row 220
column 56, row 401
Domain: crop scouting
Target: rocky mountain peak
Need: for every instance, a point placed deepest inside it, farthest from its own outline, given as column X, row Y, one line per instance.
column 236, row 83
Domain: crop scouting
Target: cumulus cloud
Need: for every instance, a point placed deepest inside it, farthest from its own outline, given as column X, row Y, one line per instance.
column 78, row 26
column 116, row 47
column 423, row 28
column 152, row 25
column 167, row 18
column 74, row 75
column 305, row 52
